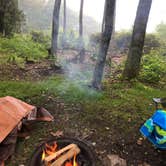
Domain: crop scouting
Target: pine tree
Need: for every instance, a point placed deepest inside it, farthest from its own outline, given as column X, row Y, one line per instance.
column 10, row 17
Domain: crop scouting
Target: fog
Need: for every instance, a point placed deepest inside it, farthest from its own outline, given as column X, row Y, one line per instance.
column 125, row 13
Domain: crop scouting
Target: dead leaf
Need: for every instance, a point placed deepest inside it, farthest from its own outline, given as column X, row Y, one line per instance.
column 57, row 133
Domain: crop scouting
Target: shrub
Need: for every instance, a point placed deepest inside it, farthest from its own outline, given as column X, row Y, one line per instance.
column 41, row 38
column 152, row 42
column 21, row 48
column 153, row 68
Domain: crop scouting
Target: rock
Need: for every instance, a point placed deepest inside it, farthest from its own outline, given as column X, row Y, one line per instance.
column 94, row 143
column 144, row 164
column 139, row 141
column 114, row 160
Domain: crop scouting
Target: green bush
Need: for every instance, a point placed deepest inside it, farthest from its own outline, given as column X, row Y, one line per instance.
column 122, row 40
column 153, row 68
column 21, row 47
column 40, row 37
column 69, row 41
column 152, row 42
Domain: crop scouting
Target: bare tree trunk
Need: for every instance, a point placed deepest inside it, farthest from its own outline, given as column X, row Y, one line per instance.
column 55, row 27
column 2, row 16
column 1, row 22
column 81, row 41
column 64, row 25
column 132, row 66
column 107, row 28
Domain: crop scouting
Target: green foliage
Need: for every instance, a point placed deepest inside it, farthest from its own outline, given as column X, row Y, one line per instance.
column 153, row 68
column 40, row 37
column 11, row 17
column 69, row 41
column 152, row 42
column 20, row 48
column 95, row 38
column 161, row 31
column 122, row 40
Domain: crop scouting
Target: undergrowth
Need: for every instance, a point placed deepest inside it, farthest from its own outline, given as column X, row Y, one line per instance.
column 114, row 95
column 20, row 48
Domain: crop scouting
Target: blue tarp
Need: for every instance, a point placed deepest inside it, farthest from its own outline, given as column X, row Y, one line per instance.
column 148, row 129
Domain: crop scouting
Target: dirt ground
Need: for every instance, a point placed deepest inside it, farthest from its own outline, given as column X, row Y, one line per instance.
column 103, row 136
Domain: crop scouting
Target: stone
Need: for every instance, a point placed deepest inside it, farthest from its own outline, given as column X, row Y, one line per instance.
column 144, row 164
column 114, row 160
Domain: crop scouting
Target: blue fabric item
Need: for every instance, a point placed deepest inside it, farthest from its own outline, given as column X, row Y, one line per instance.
column 152, row 139
column 159, row 118
column 148, row 129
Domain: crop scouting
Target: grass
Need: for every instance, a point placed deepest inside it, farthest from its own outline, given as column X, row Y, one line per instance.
column 119, row 97
column 121, row 106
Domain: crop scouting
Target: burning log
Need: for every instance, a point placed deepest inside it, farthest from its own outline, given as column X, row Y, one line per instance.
column 62, row 159
column 72, row 148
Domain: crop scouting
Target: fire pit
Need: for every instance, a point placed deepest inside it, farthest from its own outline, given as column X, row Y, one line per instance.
column 63, row 152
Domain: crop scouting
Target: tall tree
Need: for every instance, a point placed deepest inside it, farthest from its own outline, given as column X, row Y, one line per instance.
column 132, row 66
column 2, row 15
column 10, row 17
column 64, row 24
column 107, row 28
column 55, row 27
column 81, row 41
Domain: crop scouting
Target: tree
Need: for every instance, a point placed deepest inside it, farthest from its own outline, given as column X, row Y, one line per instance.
column 2, row 15
column 81, row 41
column 132, row 65
column 55, row 27
column 107, row 28
column 10, row 17
column 64, row 24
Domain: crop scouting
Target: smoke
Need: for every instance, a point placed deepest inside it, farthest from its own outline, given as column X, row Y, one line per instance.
column 74, row 71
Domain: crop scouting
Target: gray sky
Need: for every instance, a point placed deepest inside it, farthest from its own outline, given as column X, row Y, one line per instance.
column 125, row 14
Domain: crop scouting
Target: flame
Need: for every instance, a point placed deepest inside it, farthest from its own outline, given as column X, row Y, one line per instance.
column 51, row 149
column 43, row 155
column 74, row 161
column 68, row 164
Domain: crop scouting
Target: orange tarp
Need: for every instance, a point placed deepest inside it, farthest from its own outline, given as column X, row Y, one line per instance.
column 12, row 111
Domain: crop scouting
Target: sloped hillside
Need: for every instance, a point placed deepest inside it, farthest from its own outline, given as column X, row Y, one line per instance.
column 39, row 17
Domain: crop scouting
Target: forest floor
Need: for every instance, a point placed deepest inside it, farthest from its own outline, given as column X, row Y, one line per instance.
column 108, row 121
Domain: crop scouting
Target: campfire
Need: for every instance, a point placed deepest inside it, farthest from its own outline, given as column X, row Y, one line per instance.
column 53, row 156
column 63, row 152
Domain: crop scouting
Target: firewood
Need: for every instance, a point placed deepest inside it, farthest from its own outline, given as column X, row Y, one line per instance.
column 68, row 155
column 56, row 154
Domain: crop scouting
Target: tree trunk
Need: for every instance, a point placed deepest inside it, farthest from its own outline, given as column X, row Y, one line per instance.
column 132, row 66
column 107, row 28
column 1, row 22
column 55, row 27
column 81, row 41
column 2, row 15
column 10, row 17
column 64, row 25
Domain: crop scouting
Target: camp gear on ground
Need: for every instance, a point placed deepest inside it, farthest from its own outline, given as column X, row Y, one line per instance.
column 155, row 129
